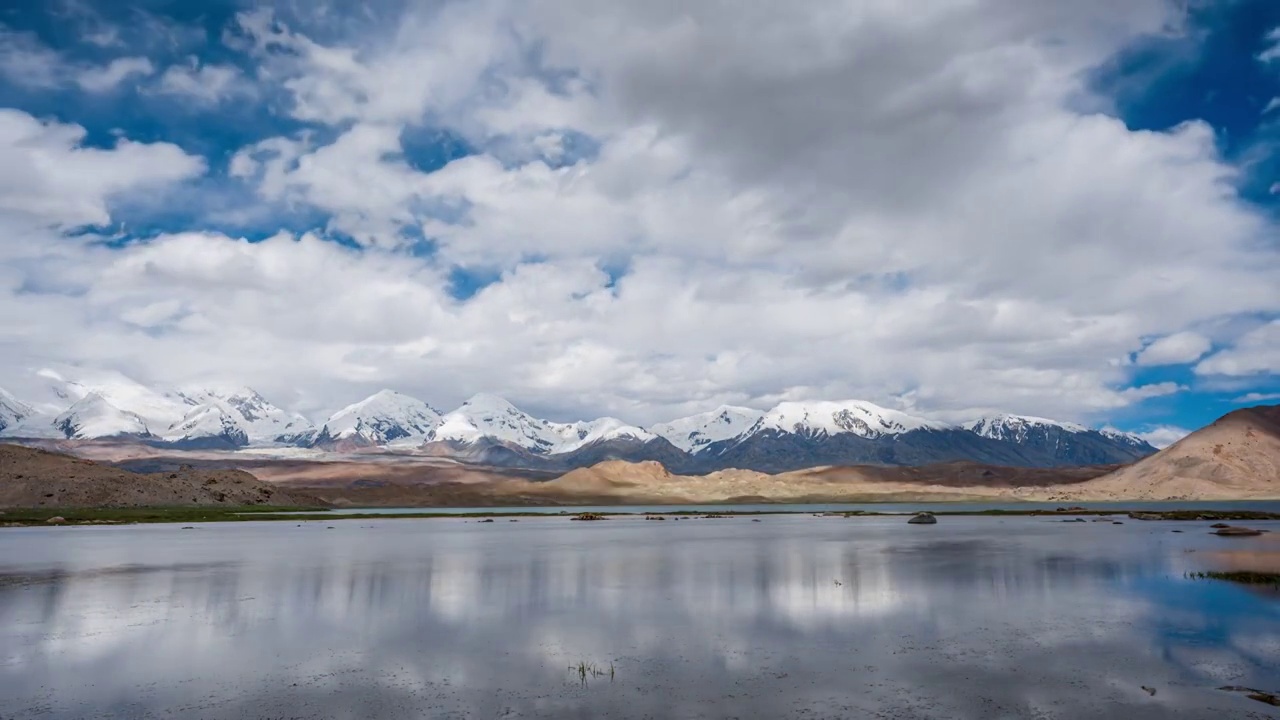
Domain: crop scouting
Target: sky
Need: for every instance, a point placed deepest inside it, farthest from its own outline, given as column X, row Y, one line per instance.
column 646, row 210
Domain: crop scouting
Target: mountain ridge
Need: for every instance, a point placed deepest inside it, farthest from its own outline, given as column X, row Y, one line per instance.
column 486, row 428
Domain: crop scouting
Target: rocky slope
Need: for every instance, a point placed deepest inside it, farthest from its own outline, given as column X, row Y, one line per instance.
column 37, row 478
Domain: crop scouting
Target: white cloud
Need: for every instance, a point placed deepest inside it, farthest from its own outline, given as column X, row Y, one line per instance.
column 1163, row 436
column 1274, row 104
column 106, row 78
column 1273, row 51
column 209, row 84
column 1256, row 352
column 25, row 61
column 1254, row 398
column 899, row 203
column 1177, row 349
column 48, row 176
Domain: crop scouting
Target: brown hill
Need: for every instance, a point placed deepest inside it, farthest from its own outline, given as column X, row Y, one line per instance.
column 1235, row 458
column 33, row 478
column 650, row 482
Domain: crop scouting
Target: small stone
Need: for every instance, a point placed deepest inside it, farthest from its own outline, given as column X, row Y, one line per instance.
column 1150, row 690
column 56, row 520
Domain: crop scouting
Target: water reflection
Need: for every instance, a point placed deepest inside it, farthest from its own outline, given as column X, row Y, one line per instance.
column 718, row 618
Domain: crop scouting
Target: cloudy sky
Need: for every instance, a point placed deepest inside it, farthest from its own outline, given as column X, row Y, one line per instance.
column 1066, row 209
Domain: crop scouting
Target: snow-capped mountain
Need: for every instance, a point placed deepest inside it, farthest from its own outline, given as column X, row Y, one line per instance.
column 1016, row 428
column 240, row 415
column 491, row 418
column 212, row 424
column 488, row 429
column 94, row 416
column 157, row 409
column 695, row 432
column 384, row 417
column 1061, row 443
column 12, row 411
column 817, row 419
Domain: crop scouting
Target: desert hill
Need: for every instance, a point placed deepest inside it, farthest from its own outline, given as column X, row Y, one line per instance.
column 31, row 477
column 1235, row 458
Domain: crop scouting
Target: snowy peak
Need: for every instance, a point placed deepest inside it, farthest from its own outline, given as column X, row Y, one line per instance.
column 156, row 408
column 489, row 416
column 581, row 434
column 383, row 417
column 695, row 432
column 1125, row 438
column 253, row 415
column 93, row 416
column 211, row 421
column 1016, row 428
column 12, row 411
column 814, row 419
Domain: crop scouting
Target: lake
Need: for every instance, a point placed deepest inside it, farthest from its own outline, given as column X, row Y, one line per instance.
column 790, row 616
column 884, row 507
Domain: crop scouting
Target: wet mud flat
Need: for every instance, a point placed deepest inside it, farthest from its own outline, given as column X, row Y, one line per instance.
column 790, row 616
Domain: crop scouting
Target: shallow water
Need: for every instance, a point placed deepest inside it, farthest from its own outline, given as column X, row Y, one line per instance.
column 1231, row 505
column 791, row 616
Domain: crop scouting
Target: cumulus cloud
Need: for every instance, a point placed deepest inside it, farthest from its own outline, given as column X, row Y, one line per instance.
column 1256, row 352
column 903, row 204
column 106, row 78
column 1164, row 435
column 47, row 175
column 1177, row 349
column 207, row 84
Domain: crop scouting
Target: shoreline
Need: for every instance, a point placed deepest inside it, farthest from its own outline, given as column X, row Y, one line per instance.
column 78, row 517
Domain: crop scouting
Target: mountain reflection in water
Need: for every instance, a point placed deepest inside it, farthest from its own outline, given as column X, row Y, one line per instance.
column 863, row 617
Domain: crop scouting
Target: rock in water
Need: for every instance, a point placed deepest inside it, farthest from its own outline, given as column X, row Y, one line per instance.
column 923, row 518
column 1237, row 532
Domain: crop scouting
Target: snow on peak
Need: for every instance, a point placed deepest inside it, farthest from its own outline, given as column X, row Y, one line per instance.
column 383, row 417
column 485, row 416
column 1125, row 437
column 581, row 434
column 1004, row 426
column 211, row 420
column 254, row 415
column 695, row 432
column 94, row 416
column 489, row 416
column 833, row 418
column 12, row 411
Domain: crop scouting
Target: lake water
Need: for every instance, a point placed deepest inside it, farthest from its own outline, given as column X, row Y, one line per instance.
column 1259, row 505
column 788, row 617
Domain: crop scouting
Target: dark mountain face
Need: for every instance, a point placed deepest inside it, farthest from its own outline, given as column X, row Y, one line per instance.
column 772, row 451
column 632, row 450
column 1055, row 446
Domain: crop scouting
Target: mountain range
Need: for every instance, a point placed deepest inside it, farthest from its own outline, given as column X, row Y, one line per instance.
column 487, row 429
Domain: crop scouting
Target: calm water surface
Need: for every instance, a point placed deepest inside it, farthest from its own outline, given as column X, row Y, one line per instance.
column 791, row 616
column 1259, row 505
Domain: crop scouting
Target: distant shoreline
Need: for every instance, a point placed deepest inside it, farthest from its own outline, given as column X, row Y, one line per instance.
column 79, row 517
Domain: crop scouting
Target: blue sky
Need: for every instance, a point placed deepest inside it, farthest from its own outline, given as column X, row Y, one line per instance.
column 1067, row 212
